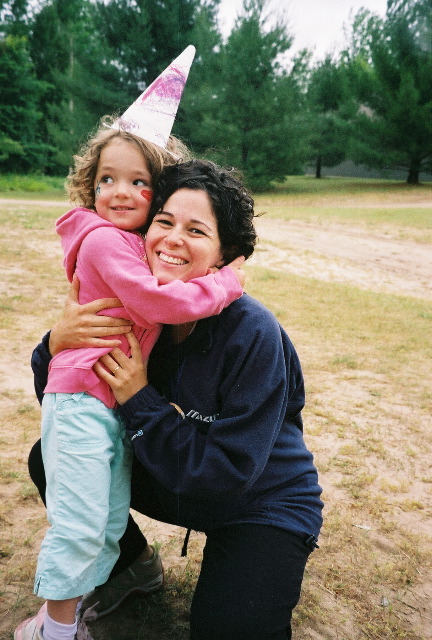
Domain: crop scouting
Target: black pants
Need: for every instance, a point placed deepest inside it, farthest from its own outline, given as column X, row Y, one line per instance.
column 250, row 577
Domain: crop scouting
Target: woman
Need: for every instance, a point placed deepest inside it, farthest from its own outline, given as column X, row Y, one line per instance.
column 217, row 432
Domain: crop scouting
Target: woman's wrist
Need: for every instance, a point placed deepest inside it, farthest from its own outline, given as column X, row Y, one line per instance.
column 146, row 397
column 54, row 343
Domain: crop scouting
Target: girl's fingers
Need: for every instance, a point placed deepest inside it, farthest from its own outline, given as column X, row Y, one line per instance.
column 73, row 295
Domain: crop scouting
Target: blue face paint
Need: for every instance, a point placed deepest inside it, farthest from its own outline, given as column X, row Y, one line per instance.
column 97, row 191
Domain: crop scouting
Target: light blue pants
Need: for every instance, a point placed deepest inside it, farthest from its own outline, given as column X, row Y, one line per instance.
column 88, row 461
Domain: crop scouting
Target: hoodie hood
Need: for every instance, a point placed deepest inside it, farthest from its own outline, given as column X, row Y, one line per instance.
column 73, row 227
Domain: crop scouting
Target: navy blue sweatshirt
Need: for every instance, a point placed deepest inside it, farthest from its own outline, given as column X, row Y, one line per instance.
column 238, row 455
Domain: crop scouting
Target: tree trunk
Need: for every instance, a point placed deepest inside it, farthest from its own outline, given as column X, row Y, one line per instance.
column 318, row 167
column 71, row 75
column 414, row 173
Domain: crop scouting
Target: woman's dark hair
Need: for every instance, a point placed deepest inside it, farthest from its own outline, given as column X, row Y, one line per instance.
column 232, row 205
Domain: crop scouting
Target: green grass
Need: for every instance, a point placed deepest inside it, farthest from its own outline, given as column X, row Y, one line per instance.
column 418, row 218
column 360, row 329
column 21, row 186
column 309, row 185
column 370, row 203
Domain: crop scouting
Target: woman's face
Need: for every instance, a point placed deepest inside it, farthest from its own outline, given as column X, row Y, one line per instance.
column 183, row 240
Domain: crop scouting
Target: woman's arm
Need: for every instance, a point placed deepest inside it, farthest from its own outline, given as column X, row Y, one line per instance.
column 80, row 326
column 259, row 387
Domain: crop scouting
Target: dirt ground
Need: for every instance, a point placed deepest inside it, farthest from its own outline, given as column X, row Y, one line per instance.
column 370, row 259
column 373, row 259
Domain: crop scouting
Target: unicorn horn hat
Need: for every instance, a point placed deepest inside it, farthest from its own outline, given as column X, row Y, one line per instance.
column 151, row 117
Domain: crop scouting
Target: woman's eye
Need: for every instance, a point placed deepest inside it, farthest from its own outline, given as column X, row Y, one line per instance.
column 163, row 221
column 197, row 231
column 107, row 180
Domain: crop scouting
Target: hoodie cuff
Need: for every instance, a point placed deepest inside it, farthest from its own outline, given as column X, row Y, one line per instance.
column 147, row 396
column 45, row 346
column 228, row 280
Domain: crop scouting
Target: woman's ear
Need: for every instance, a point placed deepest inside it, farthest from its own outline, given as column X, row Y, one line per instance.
column 230, row 254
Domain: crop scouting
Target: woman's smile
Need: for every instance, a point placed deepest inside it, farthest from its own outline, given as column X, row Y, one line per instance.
column 171, row 259
column 183, row 240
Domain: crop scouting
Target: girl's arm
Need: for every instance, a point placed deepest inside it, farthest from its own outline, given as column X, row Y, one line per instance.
column 109, row 258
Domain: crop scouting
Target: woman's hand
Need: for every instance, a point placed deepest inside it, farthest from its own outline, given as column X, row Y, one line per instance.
column 81, row 327
column 126, row 376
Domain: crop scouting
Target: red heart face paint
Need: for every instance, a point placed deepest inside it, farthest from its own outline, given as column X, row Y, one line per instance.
column 147, row 195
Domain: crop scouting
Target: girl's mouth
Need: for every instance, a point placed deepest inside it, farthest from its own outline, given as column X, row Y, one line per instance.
column 170, row 259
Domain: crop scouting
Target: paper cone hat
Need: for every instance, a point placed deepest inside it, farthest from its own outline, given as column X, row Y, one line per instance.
column 152, row 115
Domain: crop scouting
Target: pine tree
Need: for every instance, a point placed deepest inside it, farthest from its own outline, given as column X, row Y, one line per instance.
column 332, row 109
column 393, row 77
column 21, row 147
column 251, row 119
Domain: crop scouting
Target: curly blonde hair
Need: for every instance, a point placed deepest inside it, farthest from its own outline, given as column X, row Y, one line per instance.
column 80, row 183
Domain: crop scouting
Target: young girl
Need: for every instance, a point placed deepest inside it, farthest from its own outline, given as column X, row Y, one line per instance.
column 87, row 460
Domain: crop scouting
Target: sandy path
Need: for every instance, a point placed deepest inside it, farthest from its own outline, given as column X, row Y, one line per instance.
column 369, row 259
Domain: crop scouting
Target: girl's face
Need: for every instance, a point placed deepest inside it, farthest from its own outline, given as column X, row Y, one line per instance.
column 123, row 185
column 183, row 240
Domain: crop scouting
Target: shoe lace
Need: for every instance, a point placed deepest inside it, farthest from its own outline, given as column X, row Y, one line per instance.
column 83, row 632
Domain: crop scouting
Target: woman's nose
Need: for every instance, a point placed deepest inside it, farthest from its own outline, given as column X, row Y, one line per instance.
column 174, row 237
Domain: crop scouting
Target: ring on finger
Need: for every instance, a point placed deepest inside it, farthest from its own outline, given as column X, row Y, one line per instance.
column 115, row 369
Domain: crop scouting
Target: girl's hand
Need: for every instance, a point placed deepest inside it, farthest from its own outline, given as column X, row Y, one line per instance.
column 80, row 325
column 237, row 266
column 126, row 376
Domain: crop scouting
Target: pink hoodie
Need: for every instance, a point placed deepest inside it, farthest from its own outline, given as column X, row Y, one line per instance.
column 109, row 263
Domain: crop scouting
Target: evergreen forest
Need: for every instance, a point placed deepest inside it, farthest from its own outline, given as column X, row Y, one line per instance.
column 249, row 102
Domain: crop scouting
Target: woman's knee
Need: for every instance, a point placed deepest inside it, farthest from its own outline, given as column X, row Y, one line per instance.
column 216, row 621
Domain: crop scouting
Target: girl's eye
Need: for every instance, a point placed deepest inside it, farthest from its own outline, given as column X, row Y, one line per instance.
column 141, row 183
column 107, row 180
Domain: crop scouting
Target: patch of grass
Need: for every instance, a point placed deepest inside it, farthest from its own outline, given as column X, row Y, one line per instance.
column 21, row 185
column 369, row 330
column 366, row 358
column 417, row 218
column 30, row 217
column 352, row 187
column 389, row 205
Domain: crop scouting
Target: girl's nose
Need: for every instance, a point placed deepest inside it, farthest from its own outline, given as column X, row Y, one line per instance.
column 122, row 188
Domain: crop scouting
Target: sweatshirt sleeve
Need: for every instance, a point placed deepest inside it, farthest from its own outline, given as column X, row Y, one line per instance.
column 258, row 392
column 108, row 255
column 39, row 363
